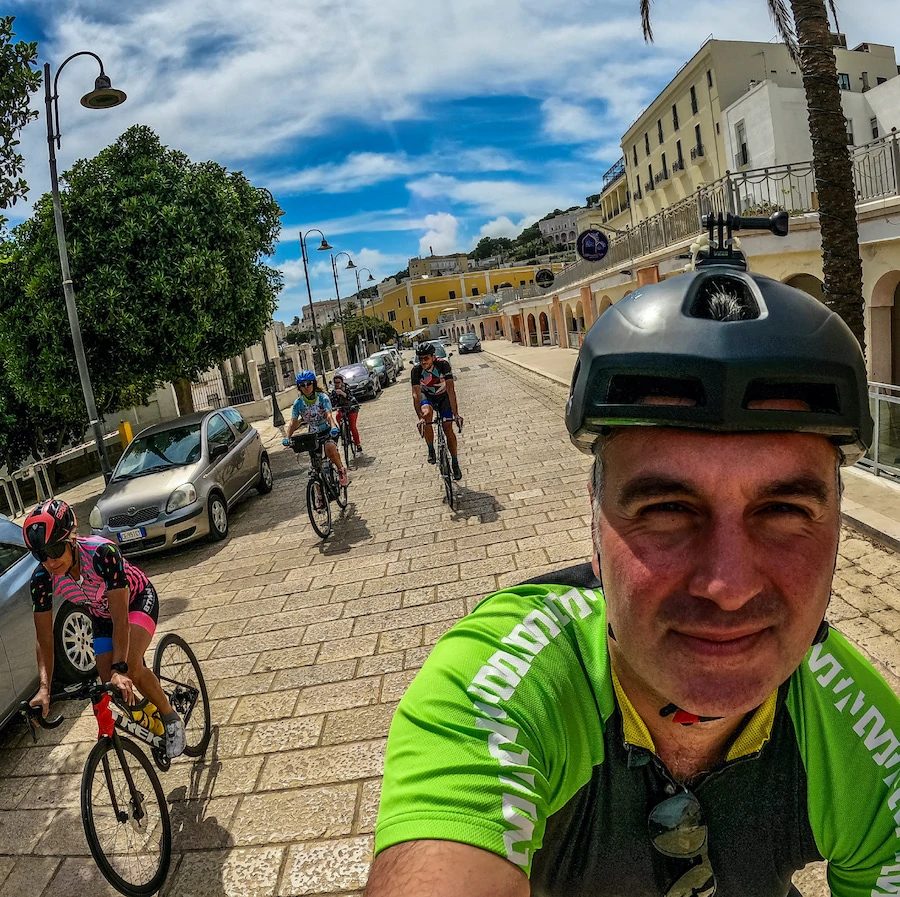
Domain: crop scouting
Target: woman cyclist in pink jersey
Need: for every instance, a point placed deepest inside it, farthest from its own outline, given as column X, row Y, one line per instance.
column 118, row 597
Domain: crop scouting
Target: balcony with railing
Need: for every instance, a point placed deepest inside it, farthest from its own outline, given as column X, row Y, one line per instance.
column 697, row 152
column 677, row 165
column 613, row 174
column 760, row 191
column 661, row 176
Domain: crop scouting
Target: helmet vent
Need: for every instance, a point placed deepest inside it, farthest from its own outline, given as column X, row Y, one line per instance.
column 722, row 297
column 821, row 398
column 640, row 389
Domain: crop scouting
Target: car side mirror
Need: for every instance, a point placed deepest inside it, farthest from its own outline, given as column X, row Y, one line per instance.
column 217, row 451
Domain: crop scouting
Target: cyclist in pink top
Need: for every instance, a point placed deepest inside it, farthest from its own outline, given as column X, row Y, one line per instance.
column 116, row 595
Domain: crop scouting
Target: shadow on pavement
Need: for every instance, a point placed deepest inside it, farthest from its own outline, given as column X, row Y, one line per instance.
column 193, row 830
column 470, row 503
column 348, row 530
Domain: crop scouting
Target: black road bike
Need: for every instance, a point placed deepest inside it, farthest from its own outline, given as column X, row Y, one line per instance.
column 323, row 485
column 443, row 458
column 123, row 807
column 347, row 443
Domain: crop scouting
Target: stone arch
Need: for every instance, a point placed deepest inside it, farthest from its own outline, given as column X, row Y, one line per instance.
column 883, row 336
column 809, row 283
column 531, row 327
column 481, row 324
column 543, row 329
column 579, row 316
column 605, row 303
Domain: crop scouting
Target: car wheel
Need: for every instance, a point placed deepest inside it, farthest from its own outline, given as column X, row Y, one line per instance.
column 73, row 641
column 218, row 517
column 266, row 480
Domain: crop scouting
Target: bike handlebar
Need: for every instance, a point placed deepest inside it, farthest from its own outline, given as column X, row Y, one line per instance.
column 84, row 691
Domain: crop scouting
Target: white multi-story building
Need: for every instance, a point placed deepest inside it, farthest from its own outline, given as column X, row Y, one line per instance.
column 561, row 228
column 326, row 312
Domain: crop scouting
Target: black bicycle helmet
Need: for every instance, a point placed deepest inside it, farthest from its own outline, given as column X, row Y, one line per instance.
column 424, row 349
column 48, row 527
column 778, row 343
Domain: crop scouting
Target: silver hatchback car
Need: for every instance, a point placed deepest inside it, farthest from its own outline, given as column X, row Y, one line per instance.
column 177, row 480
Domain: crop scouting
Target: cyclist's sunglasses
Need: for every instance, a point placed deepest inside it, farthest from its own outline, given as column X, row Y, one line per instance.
column 54, row 552
column 677, row 829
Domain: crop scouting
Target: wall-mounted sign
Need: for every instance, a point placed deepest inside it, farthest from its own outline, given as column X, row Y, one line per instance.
column 544, row 278
column 592, row 245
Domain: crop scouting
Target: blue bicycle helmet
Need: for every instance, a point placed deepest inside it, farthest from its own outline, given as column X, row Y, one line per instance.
column 306, row 377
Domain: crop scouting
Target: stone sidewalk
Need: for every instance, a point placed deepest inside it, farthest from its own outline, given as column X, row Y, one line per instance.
column 307, row 646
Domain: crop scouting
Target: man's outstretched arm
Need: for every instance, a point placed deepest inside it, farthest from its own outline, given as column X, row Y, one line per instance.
column 444, row 869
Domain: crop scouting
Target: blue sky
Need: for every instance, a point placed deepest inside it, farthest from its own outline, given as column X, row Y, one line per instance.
column 393, row 126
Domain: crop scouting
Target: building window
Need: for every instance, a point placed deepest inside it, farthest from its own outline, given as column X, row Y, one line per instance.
column 474, row 291
column 675, row 116
column 680, row 156
column 849, row 123
column 697, row 138
column 873, row 124
column 634, row 153
column 880, row 80
column 843, row 81
column 452, row 294
column 421, row 300
column 521, row 283
column 665, row 171
column 659, row 133
column 742, row 156
column 709, row 78
column 717, row 127
column 392, row 316
column 693, row 101
column 647, row 143
column 424, row 320
column 864, row 77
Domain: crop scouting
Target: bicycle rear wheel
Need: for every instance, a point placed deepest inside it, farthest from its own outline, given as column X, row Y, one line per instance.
column 339, row 491
column 447, row 474
column 345, row 439
column 179, row 673
column 318, row 507
column 126, row 818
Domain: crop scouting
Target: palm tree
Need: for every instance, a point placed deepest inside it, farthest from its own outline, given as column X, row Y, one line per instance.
column 808, row 38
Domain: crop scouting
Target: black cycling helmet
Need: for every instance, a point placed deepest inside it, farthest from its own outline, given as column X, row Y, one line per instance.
column 424, row 349
column 48, row 528
column 664, row 339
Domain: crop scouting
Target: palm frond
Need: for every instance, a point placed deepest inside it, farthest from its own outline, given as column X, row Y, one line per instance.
column 784, row 26
column 646, row 27
column 833, row 7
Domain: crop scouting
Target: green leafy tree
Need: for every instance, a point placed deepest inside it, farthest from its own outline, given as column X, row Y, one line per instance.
column 168, row 261
column 804, row 28
column 491, row 246
column 18, row 80
column 297, row 337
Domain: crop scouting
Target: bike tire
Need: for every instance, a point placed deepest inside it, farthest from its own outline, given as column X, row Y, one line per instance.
column 447, row 474
column 319, row 517
column 339, row 491
column 104, row 753
column 345, row 439
column 179, row 673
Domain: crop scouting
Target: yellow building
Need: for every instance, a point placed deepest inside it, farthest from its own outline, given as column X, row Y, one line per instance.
column 677, row 144
column 417, row 302
column 438, row 265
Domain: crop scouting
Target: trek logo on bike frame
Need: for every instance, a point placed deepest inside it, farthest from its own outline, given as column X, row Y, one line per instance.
column 133, row 727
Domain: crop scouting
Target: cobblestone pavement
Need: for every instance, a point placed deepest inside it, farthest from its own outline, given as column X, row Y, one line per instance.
column 307, row 646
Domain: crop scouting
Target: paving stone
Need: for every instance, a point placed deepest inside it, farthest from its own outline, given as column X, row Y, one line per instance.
column 243, row 685
column 358, row 724
column 202, row 824
column 326, row 632
column 12, row 791
column 315, row 674
column 296, row 815
column 317, row 766
column 285, row 659
column 285, row 735
column 368, row 806
column 338, row 696
column 371, row 605
column 261, row 708
column 51, row 792
column 328, row 867
column 342, row 649
column 399, row 639
column 395, row 685
column 22, row 830
column 317, row 612
column 221, row 778
column 29, row 876
column 412, row 616
column 238, row 872
column 379, row 664
column 264, row 641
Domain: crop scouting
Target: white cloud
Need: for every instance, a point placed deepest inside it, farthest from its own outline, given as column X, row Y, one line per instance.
column 441, row 235
column 500, row 227
column 569, row 123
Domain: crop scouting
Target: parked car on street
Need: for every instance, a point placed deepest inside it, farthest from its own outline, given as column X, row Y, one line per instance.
column 391, row 361
column 398, row 358
column 440, row 351
column 177, row 481
column 73, row 636
column 469, row 342
column 363, row 383
column 378, row 365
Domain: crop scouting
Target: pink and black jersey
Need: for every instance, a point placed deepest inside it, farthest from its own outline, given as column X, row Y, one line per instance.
column 433, row 383
column 102, row 568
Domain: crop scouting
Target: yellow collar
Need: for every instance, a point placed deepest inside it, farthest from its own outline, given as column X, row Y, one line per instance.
column 753, row 736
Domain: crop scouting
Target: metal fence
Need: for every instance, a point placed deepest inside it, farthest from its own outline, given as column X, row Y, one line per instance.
column 759, row 191
column 267, row 377
column 288, row 374
column 883, row 458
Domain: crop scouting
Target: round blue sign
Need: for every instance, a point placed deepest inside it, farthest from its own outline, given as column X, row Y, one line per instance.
column 592, row 245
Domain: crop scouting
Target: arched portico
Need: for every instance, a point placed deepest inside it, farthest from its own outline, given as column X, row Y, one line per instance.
column 883, row 336
column 532, row 330
column 544, row 329
column 808, row 283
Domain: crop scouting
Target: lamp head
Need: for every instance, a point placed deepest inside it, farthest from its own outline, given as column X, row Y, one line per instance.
column 371, row 279
column 325, row 246
column 103, row 96
column 350, row 265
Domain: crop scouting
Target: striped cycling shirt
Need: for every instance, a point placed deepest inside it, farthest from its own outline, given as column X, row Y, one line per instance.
column 102, row 568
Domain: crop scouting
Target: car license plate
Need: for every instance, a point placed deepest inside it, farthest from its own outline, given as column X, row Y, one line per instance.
column 132, row 535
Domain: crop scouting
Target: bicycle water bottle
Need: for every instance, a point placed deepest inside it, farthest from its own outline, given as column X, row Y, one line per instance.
column 148, row 717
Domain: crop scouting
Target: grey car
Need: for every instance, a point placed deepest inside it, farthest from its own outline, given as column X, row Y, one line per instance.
column 390, row 360
column 362, row 382
column 74, row 654
column 177, row 481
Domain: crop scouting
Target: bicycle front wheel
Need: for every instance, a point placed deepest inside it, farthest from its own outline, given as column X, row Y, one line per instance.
column 126, row 818
column 447, row 474
column 318, row 507
column 179, row 673
column 345, row 438
column 340, row 492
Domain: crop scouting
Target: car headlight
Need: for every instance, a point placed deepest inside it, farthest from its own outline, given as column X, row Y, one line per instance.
column 96, row 518
column 181, row 497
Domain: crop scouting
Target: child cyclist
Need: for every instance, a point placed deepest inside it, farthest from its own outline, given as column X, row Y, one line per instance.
column 344, row 402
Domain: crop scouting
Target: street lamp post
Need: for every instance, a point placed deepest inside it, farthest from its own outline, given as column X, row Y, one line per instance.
column 324, row 247
column 362, row 302
column 103, row 96
column 337, row 291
